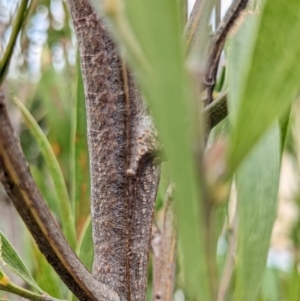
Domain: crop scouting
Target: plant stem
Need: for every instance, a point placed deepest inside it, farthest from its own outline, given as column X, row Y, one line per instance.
column 229, row 263
column 19, row 185
column 218, row 42
column 164, row 255
column 121, row 140
column 20, row 291
column 216, row 111
column 17, row 25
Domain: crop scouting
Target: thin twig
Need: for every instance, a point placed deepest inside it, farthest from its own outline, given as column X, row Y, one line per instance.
column 18, row 182
column 164, row 254
column 216, row 111
column 13, row 288
column 17, row 25
column 229, row 263
column 218, row 42
column 27, row 15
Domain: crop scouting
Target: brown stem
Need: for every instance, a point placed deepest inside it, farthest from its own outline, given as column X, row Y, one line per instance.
column 164, row 257
column 121, row 142
column 22, row 190
column 217, row 44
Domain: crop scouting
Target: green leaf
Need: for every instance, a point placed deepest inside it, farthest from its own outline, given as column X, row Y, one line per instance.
column 264, row 73
column 291, row 287
column 46, row 276
column 2, row 274
column 284, row 122
column 10, row 257
column 165, row 180
column 42, row 178
column 270, row 287
column 79, row 154
column 65, row 213
column 85, row 249
column 257, row 182
column 54, row 97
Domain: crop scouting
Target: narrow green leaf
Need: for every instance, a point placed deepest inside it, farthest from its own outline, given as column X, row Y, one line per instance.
column 42, row 178
column 85, row 249
column 46, row 276
column 66, row 215
column 151, row 34
column 257, row 182
column 284, row 126
column 10, row 257
column 53, row 97
column 270, row 73
column 291, row 289
column 79, row 154
column 16, row 28
column 2, row 274
column 165, row 180
column 270, row 288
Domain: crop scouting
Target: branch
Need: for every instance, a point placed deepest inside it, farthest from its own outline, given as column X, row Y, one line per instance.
column 17, row 25
column 164, row 257
column 22, row 190
column 218, row 42
column 121, row 139
column 216, row 111
column 7, row 285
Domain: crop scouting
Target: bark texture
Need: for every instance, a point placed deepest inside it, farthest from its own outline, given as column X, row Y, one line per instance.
column 124, row 175
column 22, row 190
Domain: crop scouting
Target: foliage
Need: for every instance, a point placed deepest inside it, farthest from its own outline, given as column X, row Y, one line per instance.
column 240, row 158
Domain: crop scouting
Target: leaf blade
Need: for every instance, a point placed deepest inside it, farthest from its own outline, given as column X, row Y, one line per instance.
column 65, row 213
column 270, row 75
column 79, row 154
column 10, row 257
column 257, row 182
